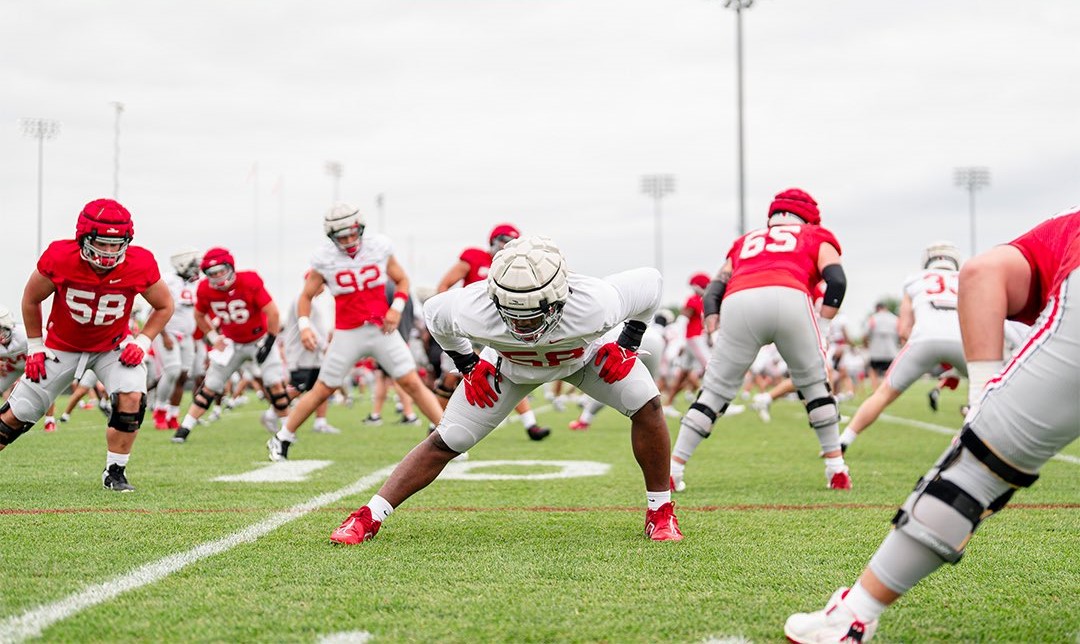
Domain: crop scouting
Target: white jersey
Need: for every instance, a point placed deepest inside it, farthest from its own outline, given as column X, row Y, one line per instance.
column 296, row 356
column 358, row 283
column 460, row 317
column 13, row 357
column 182, row 321
column 933, row 302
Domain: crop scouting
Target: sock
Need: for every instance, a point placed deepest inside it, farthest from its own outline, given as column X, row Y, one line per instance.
column 189, row 422
column 528, row 418
column 848, row 437
column 282, row 422
column 677, row 468
column 320, row 422
column 686, row 443
column 50, row 419
column 172, row 411
column 285, row 435
column 863, row 604
column 119, row 459
column 380, row 508
column 834, row 463
column 657, row 499
column 586, row 416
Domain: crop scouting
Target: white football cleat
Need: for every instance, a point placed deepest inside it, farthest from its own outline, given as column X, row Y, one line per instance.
column 671, row 412
column 677, row 483
column 761, row 404
column 734, row 410
column 269, row 420
column 836, row 623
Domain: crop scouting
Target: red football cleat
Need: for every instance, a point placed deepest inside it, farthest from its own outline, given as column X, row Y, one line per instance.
column 50, row 426
column 172, row 423
column 661, row 524
column 840, row 480
column 159, row 419
column 578, row 426
column 359, row 527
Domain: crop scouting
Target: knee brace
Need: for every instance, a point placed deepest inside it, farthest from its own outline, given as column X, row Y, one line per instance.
column 126, row 421
column 280, row 400
column 203, row 398
column 941, row 515
column 700, row 417
column 8, row 434
column 823, row 412
column 446, row 385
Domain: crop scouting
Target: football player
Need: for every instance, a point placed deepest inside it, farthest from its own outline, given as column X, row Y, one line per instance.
column 175, row 346
column 249, row 319
column 929, row 328
column 472, row 266
column 1023, row 413
column 882, row 339
column 304, row 364
column 765, row 286
column 355, row 268
column 695, row 347
column 95, row 278
column 12, row 350
column 539, row 323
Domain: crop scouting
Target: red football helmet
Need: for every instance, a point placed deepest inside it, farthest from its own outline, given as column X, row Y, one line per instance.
column 219, row 267
column 500, row 235
column 104, row 222
column 699, row 281
column 798, row 203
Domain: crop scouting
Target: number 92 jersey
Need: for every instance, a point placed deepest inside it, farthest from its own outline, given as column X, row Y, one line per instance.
column 90, row 311
column 240, row 309
column 358, row 284
column 783, row 255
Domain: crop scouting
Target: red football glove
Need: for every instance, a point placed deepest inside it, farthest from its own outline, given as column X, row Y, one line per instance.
column 617, row 362
column 134, row 350
column 36, row 355
column 478, row 389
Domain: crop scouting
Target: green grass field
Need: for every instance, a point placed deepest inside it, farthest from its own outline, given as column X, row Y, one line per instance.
column 188, row 558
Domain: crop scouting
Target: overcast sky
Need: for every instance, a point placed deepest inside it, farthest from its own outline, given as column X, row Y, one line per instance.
column 544, row 114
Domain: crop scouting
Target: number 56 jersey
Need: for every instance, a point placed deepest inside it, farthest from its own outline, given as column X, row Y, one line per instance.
column 239, row 309
column 358, row 283
column 90, row 310
column 782, row 255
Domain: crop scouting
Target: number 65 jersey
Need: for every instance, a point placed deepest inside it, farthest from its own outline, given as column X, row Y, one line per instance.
column 90, row 310
column 782, row 255
column 358, row 283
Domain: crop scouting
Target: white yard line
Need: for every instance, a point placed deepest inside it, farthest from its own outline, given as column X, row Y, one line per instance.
column 33, row 622
column 951, row 431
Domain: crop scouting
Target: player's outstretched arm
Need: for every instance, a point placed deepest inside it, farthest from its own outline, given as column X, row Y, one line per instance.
column 456, row 273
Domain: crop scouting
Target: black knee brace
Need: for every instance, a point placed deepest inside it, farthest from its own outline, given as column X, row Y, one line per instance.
column 126, row 421
column 8, row 434
column 203, row 398
column 280, row 400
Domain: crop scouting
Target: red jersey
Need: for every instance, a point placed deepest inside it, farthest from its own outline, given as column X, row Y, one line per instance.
column 783, row 255
column 358, row 283
column 1043, row 247
column 479, row 262
column 90, row 310
column 1070, row 261
column 695, row 307
column 240, row 309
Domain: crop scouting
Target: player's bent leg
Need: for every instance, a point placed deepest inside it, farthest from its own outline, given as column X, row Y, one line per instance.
column 422, row 396
column 11, row 427
column 695, row 427
column 868, row 412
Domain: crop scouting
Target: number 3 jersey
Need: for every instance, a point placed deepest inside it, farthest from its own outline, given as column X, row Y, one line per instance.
column 358, row 283
column 90, row 310
column 782, row 255
column 239, row 309
column 933, row 302
column 461, row 317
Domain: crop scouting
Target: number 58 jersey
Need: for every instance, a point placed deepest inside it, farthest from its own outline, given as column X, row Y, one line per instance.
column 358, row 283
column 90, row 310
column 783, row 255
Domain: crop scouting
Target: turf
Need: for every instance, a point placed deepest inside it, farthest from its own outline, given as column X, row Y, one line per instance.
column 517, row 560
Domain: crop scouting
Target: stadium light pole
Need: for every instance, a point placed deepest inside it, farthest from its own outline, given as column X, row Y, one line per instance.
column 738, row 6
column 658, row 186
column 40, row 129
column 119, row 107
column 335, row 169
column 972, row 179
column 380, row 207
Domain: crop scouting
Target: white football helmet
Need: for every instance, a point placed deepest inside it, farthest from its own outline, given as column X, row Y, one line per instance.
column 7, row 325
column 527, row 282
column 942, row 254
column 344, row 225
column 186, row 262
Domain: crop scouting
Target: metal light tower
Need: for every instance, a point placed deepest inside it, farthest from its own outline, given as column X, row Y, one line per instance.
column 40, row 129
column 972, row 179
column 380, row 206
column 658, row 186
column 738, row 6
column 335, row 169
column 116, row 150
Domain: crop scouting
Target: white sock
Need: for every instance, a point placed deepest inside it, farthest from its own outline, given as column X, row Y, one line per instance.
column 835, row 462
column 380, row 508
column 657, row 499
column 320, row 422
column 50, row 419
column 172, row 411
column 528, row 418
column 285, row 435
column 586, row 416
column 189, row 422
column 863, row 604
column 119, row 459
column 848, row 436
column 677, row 468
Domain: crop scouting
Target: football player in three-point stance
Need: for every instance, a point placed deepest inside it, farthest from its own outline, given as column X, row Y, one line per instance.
column 539, row 323
column 929, row 328
column 472, row 266
column 355, row 268
column 249, row 318
column 95, row 278
column 175, row 346
column 766, row 286
column 1021, row 416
